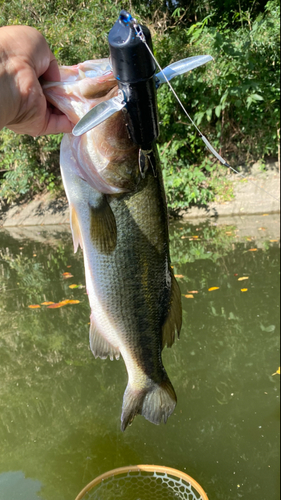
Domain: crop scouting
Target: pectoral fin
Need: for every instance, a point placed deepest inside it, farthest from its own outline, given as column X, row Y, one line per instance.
column 174, row 318
column 103, row 226
column 100, row 347
column 75, row 229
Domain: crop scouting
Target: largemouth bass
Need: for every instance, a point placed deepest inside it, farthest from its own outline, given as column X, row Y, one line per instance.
column 118, row 217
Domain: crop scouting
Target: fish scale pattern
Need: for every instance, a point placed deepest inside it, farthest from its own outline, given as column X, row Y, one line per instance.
column 143, row 486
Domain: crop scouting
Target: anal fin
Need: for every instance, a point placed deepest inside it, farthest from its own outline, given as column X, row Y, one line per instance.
column 100, row 347
column 174, row 317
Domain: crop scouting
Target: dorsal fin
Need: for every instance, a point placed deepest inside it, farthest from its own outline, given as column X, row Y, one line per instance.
column 174, row 317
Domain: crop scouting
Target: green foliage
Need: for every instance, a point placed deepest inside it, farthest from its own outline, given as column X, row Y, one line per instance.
column 31, row 164
column 191, row 184
column 212, row 243
column 234, row 99
column 245, row 84
column 61, row 404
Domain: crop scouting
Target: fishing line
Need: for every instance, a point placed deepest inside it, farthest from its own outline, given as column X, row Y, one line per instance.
column 140, row 34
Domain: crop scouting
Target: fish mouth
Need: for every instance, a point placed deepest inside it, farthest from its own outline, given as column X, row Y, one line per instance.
column 81, row 88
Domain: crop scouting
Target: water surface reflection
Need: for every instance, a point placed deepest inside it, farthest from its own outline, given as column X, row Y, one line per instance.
column 60, row 408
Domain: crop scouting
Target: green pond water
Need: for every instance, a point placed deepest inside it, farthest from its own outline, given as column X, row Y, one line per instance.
column 60, row 408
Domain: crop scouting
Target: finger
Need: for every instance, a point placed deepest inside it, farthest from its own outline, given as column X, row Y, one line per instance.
column 52, row 74
column 57, row 124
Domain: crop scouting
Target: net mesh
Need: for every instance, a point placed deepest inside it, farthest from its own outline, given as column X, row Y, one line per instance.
column 143, row 485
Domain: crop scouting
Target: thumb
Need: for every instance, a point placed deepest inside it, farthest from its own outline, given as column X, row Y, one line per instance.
column 52, row 74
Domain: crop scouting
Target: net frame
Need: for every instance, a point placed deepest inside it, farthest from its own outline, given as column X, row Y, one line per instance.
column 143, row 468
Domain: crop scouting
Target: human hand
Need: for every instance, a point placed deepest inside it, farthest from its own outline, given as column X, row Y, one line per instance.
column 24, row 57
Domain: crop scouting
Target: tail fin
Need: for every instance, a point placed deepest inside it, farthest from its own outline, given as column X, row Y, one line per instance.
column 154, row 403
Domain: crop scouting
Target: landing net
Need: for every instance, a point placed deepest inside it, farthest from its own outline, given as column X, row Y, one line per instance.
column 143, row 482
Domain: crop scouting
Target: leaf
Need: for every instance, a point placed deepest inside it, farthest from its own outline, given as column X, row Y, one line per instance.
column 213, row 288
column 34, row 306
column 218, row 110
column 67, row 275
column 277, row 372
column 244, row 289
column 267, row 329
column 179, row 276
column 199, row 117
column 46, row 303
column 209, row 113
column 193, row 291
column 273, row 241
column 243, row 278
column 73, row 286
column 253, row 98
column 252, row 249
column 257, row 97
column 189, row 296
column 63, row 303
column 56, row 305
column 214, row 312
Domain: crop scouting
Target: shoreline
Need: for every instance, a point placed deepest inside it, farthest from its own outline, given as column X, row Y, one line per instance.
column 258, row 193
